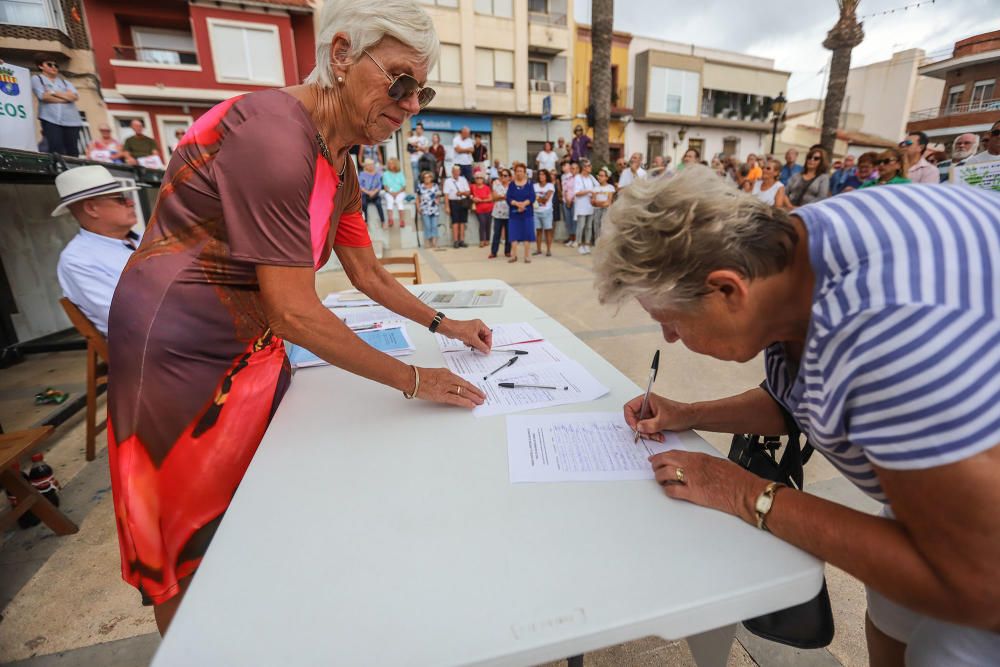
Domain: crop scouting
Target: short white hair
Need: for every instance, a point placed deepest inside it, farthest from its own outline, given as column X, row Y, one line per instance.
column 366, row 22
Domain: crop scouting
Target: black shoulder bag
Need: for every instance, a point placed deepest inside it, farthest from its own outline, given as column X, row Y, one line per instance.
column 810, row 624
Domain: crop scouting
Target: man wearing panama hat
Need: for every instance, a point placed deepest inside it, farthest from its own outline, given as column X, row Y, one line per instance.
column 91, row 264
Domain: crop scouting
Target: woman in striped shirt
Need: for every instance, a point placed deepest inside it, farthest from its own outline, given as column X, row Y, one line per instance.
column 878, row 313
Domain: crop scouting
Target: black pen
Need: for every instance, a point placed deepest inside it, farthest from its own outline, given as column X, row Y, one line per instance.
column 509, row 363
column 511, row 385
column 645, row 399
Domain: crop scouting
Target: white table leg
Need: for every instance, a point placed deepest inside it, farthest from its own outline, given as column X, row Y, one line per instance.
column 711, row 649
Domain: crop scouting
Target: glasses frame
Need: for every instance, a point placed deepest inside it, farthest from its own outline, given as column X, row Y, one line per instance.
column 425, row 94
column 119, row 197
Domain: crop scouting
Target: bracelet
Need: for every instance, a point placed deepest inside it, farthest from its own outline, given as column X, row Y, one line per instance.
column 416, row 384
column 436, row 322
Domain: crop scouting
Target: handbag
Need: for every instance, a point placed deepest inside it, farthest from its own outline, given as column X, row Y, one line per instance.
column 810, row 624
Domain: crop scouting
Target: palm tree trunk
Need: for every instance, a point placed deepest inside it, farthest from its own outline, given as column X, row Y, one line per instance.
column 602, row 17
column 836, row 89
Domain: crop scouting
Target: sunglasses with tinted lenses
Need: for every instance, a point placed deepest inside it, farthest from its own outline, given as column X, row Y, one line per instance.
column 120, row 198
column 814, row 157
column 885, row 160
column 51, row 63
column 995, row 133
column 905, row 142
column 402, row 86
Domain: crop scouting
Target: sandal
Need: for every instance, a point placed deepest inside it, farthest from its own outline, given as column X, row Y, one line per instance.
column 50, row 397
column 512, row 260
column 548, row 254
column 492, row 257
column 527, row 260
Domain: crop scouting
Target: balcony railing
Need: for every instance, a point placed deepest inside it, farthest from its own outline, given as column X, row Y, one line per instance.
column 546, row 18
column 155, row 56
column 956, row 109
column 735, row 106
column 540, row 86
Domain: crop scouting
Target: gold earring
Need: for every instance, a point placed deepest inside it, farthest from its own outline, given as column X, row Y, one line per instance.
column 340, row 79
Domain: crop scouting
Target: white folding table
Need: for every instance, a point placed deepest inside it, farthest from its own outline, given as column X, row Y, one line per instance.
column 371, row 530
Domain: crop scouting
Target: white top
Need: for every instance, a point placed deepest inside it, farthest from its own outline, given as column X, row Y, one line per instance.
column 627, row 177
column 767, row 196
column 582, row 205
column 604, row 193
column 547, row 160
column 985, row 156
column 459, row 142
column 421, row 143
column 453, row 187
column 539, row 189
column 88, row 270
column 406, row 523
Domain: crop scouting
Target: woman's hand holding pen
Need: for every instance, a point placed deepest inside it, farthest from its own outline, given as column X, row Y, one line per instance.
column 662, row 414
column 473, row 333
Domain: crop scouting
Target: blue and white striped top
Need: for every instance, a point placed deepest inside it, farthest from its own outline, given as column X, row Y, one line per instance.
column 901, row 365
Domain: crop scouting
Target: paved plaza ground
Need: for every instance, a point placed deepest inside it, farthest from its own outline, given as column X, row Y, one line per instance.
column 62, row 599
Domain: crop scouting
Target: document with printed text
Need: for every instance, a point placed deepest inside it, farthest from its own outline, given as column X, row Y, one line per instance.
column 570, row 382
column 504, row 335
column 470, row 362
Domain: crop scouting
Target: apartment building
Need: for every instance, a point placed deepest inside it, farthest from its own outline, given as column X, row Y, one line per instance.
column 621, row 99
column 167, row 62
column 685, row 96
column 499, row 60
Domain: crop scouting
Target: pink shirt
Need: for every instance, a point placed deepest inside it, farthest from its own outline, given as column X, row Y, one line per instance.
column 567, row 187
column 923, row 172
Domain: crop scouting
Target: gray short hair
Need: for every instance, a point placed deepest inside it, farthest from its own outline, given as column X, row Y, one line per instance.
column 366, row 22
column 662, row 238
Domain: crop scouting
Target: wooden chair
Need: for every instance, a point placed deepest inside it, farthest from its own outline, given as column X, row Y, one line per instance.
column 12, row 447
column 97, row 370
column 413, row 261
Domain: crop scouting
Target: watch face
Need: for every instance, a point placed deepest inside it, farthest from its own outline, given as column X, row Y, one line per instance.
column 764, row 503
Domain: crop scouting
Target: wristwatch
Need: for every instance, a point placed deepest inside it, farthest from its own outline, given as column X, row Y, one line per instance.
column 436, row 322
column 764, row 503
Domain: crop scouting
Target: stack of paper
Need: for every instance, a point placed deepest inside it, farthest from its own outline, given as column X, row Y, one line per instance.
column 391, row 339
column 572, row 382
column 347, row 299
column 482, row 298
column 362, row 317
column 471, row 362
column 504, row 335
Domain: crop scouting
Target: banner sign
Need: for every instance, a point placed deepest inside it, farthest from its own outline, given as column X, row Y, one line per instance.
column 17, row 112
column 984, row 175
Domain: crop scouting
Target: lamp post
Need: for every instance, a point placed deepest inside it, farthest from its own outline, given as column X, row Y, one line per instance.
column 777, row 109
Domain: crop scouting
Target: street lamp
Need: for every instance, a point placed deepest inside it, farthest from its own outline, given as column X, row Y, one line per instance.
column 777, row 109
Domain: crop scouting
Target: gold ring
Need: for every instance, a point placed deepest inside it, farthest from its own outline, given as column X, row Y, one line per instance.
column 680, row 475
column 459, row 392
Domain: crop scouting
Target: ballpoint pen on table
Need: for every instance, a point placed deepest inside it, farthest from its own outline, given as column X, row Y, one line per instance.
column 512, row 385
column 645, row 399
column 509, row 363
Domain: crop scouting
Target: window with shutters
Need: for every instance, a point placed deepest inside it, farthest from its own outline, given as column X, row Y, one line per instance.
column 246, row 53
column 494, row 68
column 448, row 68
column 501, row 8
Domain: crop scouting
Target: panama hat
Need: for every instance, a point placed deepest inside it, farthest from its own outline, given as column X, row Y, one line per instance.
column 85, row 183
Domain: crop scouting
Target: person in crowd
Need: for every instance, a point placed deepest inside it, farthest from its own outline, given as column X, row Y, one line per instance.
column 991, row 151
column 141, row 149
column 718, row 166
column 545, row 192
column 841, row 176
column 691, row 156
column 584, row 185
column 769, row 189
column 546, row 158
column 634, row 171
column 890, row 374
column 225, row 274
column 501, row 214
column 862, row 173
column 891, row 165
column 658, row 167
column 616, row 174
column 373, row 153
column 917, row 168
column 601, row 199
column 482, row 202
column 462, row 146
column 370, row 185
column 562, row 149
column 458, row 197
column 813, row 182
column 732, row 170
column 438, row 151
column 92, row 262
column 105, row 148
column 569, row 172
column 791, row 166
column 480, row 154
column 394, row 191
column 520, row 198
column 837, row 165
column 962, row 148
column 57, row 110
column 581, row 145
column 494, row 172
column 755, row 173
column 178, row 136
column 416, row 145
column 429, row 195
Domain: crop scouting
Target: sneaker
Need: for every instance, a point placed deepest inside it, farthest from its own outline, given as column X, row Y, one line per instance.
column 463, row 244
column 492, row 257
column 572, row 244
column 586, row 250
column 582, row 250
column 567, row 242
column 454, row 244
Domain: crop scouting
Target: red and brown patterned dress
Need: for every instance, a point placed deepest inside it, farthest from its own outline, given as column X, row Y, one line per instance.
column 195, row 372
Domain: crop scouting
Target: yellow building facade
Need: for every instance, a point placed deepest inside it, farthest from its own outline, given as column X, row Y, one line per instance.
column 621, row 93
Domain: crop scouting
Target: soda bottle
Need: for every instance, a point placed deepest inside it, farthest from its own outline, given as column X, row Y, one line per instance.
column 42, row 478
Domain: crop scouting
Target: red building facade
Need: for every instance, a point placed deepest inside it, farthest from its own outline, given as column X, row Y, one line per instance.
column 166, row 62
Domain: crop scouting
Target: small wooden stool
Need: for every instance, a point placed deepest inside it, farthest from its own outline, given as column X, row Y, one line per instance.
column 413, row 261
column 12, row 447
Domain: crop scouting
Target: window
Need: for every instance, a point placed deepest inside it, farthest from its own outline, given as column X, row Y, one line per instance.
column 168, row 47
column 37, row 13
column 538, row 6
column 538, row 70
column 673, row 91
column 501, row 8
column 698, row 145
column 246, row 52
column 955, row 96
column 448, row 68
column 730, row 146
column 494, row 68
column 982, row 92
column 441, row 3
column 654, row 146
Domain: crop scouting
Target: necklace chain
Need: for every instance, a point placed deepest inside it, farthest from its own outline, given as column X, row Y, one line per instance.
column 325, row 152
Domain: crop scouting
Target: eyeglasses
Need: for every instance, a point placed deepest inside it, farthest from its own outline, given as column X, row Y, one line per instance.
column 905, row 142
column 885, row 160
column 120, row 198
column 51, row 63
column 995, row 133
column 814, row 157
column 402, row 86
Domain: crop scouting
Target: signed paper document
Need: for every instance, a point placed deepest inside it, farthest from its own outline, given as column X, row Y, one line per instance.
column 569, row 381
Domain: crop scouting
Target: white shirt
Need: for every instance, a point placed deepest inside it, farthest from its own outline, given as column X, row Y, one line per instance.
column 421, row 143
column 604, row 193
column 767, row 196
column 985, row 156
column 627, row 178
column 541, row 189
column 89, row 268
column 459, row 142
column 453, row 187
column 582, row 205
column 547, row 160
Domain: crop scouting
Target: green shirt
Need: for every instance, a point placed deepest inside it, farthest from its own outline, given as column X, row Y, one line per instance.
column 395, row 181
column 140, row 146
column 895, row 180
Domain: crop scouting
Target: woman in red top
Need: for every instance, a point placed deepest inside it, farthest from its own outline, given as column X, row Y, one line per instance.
column 482, row 197
column 225, row 273
column 437, row 150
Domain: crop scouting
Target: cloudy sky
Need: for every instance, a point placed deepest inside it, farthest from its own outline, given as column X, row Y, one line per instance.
column 792, row 31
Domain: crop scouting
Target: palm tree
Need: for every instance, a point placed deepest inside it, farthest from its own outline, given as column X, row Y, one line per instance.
column 841, row 39
column 602, row 19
